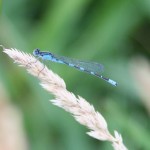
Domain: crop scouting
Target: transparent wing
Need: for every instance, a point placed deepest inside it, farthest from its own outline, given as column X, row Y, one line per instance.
column 88, row 66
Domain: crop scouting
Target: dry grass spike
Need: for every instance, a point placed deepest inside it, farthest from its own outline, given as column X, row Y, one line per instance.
column 81, row 110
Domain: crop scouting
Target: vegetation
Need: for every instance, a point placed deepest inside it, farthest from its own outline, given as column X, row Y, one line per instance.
column 114, row 33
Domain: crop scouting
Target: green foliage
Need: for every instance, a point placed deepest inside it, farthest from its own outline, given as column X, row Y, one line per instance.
column 110, row 32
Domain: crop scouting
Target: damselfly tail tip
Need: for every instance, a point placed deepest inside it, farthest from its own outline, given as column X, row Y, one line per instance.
column 114, row 83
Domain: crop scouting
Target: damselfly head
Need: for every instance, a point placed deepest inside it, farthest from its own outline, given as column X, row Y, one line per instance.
column 36, row 52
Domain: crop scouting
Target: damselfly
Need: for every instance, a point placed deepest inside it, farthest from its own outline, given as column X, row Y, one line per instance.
column 93, row 68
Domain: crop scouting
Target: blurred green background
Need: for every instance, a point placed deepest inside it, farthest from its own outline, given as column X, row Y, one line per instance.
column 115, row 33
